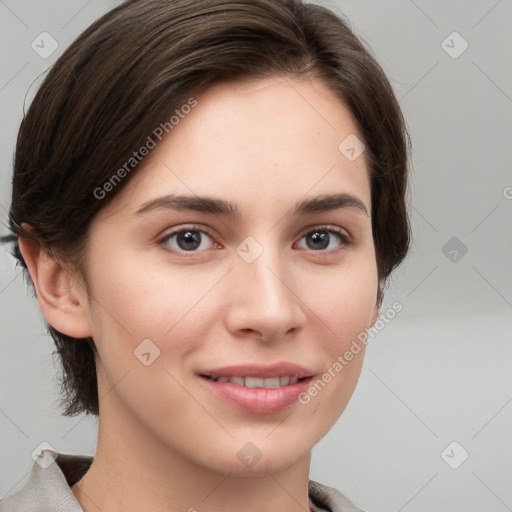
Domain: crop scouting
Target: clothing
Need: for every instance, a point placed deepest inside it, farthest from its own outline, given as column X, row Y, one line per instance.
column 48, row 488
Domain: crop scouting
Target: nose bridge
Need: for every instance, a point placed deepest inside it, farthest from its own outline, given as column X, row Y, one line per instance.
column 264, row 300
column 257, row 267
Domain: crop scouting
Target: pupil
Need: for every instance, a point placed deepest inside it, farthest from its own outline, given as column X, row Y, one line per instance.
column 320, row 237
column 192, row 240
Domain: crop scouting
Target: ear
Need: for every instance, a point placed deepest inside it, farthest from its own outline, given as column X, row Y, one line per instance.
column 63, row 303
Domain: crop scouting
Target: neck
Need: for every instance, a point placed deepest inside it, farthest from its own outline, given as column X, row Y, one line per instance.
column 132, row 470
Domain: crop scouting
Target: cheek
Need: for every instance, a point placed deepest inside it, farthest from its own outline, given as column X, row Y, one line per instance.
column 346, row 301
column 137, row 312
column 140, row 298
column 135, row 301
column 343, row 307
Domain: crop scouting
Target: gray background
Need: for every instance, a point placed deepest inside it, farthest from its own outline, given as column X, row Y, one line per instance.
column 440, row 371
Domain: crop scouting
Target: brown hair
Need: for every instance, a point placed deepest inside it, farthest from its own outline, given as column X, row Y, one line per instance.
column 132, row 69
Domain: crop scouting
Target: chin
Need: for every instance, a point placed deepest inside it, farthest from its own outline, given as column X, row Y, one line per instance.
column 258, row 457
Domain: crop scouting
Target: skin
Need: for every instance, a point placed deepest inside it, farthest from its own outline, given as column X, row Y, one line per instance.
column 165, row 442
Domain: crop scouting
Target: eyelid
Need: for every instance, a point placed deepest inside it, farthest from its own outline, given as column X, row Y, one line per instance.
column 327, row 227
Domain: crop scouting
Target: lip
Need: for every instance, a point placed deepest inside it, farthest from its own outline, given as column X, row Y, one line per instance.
column 261, row 371
column 258, row 400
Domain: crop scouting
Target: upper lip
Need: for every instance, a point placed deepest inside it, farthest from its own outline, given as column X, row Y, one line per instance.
column 261, row 371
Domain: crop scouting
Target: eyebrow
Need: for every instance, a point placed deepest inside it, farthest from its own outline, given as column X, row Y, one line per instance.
column 212, row 205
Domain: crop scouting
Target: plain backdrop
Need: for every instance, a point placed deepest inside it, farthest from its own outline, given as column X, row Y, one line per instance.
column 436, row 383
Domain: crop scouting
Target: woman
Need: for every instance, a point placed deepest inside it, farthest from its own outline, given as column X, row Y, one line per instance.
column 208, row 197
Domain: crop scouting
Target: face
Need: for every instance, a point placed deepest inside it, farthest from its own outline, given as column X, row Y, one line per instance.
column 181, row 296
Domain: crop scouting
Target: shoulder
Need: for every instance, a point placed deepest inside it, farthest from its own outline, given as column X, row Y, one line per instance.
column 330, row 499
column 48, row 485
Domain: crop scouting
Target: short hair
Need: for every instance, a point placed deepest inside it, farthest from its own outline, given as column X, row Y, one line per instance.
column 132, row 69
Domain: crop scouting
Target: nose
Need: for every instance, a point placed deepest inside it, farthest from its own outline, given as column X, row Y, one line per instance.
column 264, row 299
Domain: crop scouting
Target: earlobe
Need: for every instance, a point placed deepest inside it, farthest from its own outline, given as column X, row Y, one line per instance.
column 63, row 307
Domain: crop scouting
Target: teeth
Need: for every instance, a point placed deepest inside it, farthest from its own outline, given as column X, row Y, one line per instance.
column 284, row 381
column 257, row 382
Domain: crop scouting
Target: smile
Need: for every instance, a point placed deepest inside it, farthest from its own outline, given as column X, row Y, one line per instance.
column 257, row 382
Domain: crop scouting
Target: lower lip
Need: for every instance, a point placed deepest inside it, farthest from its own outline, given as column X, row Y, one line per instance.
column 257, row 400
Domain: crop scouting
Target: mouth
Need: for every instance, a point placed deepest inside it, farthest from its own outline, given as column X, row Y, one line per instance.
column 258, row 389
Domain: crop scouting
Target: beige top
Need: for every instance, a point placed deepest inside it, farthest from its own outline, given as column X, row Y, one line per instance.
column 48, row 488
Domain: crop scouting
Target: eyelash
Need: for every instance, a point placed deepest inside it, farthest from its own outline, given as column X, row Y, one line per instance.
column 345, row 240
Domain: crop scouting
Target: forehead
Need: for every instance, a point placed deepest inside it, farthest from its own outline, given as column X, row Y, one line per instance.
column 276, row 138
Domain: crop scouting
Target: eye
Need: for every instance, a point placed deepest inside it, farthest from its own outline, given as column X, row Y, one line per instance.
column 320, row 239
column 188, row 239
column 193, row 239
